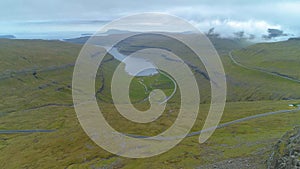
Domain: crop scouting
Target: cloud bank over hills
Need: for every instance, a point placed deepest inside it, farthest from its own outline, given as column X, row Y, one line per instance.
column 254, row 18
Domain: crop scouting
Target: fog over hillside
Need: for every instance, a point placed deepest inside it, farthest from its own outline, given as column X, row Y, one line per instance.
column 256, row 20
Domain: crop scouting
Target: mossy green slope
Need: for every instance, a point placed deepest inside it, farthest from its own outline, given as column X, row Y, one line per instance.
column 279, row 57
column 41, row 99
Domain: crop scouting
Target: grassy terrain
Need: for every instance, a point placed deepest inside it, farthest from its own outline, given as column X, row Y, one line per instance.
column 40, row 98
column 69, row 147
column 279, row 57
column 140, row 86
column 243, row 84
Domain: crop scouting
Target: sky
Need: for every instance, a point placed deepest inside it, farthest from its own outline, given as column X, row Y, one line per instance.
column 227, row 17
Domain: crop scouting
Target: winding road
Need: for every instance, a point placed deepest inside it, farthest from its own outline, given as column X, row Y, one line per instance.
column 168, row 97
column 217, row 127
column 245, row 119
column 175, row 89
column 234, row 121
column 261, row 70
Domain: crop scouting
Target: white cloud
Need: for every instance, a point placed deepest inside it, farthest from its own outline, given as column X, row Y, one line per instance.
column 253, row 17
column 227, row 27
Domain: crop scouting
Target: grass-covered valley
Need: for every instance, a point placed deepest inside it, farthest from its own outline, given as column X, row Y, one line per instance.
column 36, row 93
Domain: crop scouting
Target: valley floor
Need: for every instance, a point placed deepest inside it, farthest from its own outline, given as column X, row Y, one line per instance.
column 247, row 143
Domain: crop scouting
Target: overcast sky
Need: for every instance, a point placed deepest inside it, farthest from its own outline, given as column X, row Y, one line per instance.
column 253, row 17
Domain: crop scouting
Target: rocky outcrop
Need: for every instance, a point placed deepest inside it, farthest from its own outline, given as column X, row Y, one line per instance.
column 7, row 37
column 286, row 152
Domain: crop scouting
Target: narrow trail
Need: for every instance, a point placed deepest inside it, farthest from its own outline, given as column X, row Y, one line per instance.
column 145, row 87
column 22, row 72
column 25, row 131
column 33, row 70
column 49, row 105
column 261, row 70
column 28, row 131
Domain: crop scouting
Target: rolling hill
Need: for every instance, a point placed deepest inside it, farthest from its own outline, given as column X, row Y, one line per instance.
column 36, row 85
column 279, row 57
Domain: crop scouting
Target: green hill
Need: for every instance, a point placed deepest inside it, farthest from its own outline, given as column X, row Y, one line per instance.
column 35, row 85
column 279, row 57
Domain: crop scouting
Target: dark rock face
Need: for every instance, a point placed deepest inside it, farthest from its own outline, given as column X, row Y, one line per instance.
column 290, row 39
column 286, row 152
column 7, row 37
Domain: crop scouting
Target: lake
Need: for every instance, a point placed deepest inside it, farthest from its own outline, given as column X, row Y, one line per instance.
column 133, row 65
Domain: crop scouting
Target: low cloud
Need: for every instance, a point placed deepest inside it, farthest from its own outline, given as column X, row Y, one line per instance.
column 250, row 29
column 253, row 18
